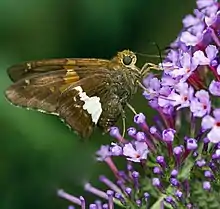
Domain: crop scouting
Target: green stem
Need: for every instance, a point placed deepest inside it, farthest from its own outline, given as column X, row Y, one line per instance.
column 157, row 204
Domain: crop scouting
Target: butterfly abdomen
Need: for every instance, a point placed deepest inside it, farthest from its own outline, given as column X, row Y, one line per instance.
column 120, row 90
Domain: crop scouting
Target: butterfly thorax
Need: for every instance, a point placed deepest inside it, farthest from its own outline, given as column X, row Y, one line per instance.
column 124, row 82
column 122, row 86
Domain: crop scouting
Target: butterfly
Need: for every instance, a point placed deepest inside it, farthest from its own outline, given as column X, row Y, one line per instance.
column 83, row 92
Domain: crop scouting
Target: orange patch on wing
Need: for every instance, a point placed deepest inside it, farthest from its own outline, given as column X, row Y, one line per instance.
column 70, row 78
column 68, row 67
column 70, row 62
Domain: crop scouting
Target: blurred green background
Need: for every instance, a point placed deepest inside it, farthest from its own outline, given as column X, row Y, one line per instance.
column 38, row 154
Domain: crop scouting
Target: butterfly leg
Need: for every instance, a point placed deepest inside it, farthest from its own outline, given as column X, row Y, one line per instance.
column 131, row 108
column 145, row 71
column 147, row 67
column 123, row 123
column 143, row 87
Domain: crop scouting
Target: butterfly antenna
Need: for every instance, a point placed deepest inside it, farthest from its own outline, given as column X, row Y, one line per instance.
column 148, row 55
column 154, row 56
column 159, row 51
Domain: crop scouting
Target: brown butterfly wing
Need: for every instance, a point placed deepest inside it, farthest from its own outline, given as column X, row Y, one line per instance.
column 26, row 69
column 39, row 91
column 71, row 107
column 39, row 84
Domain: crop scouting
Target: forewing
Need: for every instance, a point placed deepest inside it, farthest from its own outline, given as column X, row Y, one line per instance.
column 70, row 88
column 80, row 105
column 26, row 69
column 41, row 91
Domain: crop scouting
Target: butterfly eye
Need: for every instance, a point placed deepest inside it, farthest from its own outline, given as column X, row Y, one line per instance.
column 127, row 60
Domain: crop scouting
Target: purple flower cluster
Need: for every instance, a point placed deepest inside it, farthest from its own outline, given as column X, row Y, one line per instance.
column 173, row 161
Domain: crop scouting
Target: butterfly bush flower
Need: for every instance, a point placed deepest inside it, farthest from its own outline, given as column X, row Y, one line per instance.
column 174, row 160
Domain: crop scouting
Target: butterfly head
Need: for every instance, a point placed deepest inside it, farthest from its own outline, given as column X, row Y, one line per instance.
column 127, row 58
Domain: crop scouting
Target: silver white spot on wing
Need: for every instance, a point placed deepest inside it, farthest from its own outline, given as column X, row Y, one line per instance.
column 91, row 104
